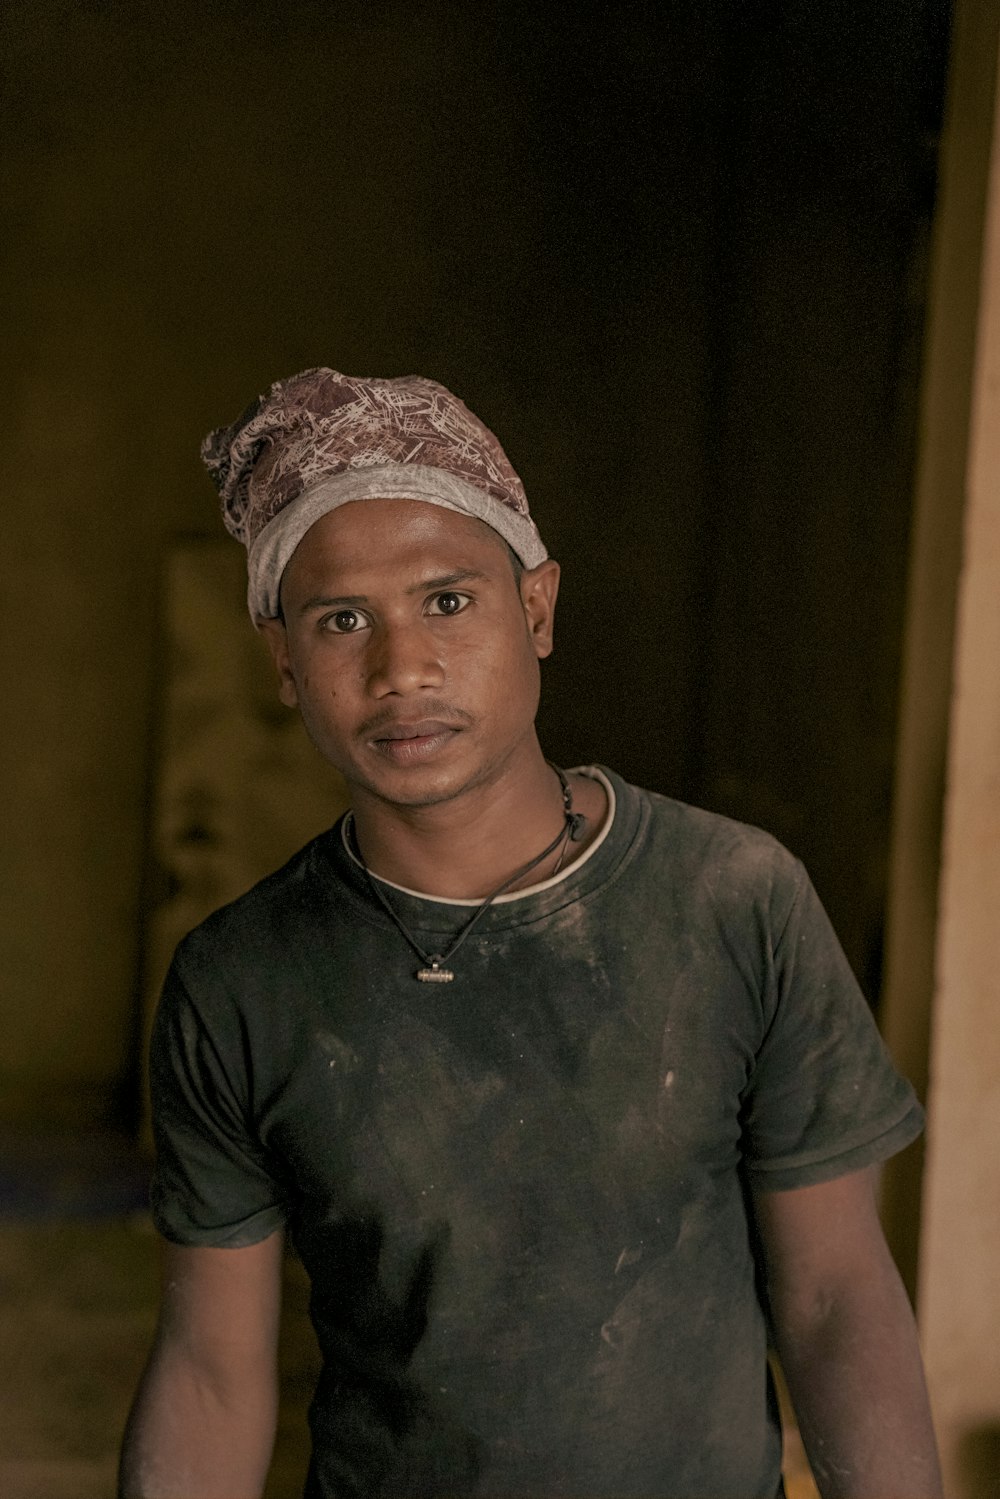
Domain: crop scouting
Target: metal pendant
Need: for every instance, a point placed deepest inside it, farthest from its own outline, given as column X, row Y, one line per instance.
column 435, row 974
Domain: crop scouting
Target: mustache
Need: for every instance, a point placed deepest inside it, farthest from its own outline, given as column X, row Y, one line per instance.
column 429, row 708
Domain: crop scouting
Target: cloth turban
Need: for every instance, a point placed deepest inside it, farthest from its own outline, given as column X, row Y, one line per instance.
column 321, row 439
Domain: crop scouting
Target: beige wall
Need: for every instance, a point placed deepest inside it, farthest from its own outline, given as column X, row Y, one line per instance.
column 942, row 1001
column 935, row 559
column 960, row 1253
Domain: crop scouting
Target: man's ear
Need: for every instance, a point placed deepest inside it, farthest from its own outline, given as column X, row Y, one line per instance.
column 539, row 589
column 274, row 632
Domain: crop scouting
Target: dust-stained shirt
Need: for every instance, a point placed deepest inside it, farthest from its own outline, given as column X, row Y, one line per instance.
column 523, row 1197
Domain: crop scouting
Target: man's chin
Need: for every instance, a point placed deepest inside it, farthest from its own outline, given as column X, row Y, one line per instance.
column 454, row 768
column 420, row 784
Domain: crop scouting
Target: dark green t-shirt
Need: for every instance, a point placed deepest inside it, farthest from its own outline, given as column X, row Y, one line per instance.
column 522, row 1197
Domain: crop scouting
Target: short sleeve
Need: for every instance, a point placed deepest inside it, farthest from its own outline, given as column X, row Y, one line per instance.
column 824, row 1097
column 213, row 1183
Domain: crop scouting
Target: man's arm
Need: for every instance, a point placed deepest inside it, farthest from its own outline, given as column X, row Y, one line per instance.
column 847, row 1342
column 202, row 1425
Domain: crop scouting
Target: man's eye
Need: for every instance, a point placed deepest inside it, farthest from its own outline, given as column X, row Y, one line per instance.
column 449, row 603
column 344, row 622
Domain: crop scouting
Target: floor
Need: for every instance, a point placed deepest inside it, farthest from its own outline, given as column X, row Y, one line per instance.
column 78, row 1274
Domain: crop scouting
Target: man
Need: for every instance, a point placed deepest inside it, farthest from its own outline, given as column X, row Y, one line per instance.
column 563, row 1090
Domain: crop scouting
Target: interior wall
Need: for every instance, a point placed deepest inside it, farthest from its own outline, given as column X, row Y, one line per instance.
column 927, row 682
column 960, row 1248
column 563, row 221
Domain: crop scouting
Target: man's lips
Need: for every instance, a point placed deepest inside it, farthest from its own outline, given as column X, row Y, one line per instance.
column 407, row 743
column 423, row 728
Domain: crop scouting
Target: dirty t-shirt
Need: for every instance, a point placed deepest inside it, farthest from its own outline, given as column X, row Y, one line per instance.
column 521, row 1197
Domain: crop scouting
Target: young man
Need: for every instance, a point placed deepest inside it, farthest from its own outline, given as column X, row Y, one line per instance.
column 563, row 1090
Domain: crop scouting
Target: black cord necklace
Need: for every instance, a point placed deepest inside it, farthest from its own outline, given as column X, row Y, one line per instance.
column 434, row 971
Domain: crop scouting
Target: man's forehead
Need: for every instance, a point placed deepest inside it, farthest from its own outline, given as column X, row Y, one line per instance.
column 392, row 539
column 353, row 527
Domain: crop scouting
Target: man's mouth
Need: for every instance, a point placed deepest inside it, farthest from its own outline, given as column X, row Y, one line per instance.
column 404, row 743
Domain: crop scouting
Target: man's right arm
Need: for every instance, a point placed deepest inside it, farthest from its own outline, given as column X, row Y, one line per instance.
column 203, row 1421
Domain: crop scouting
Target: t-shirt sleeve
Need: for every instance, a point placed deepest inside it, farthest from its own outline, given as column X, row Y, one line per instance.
column 824, row 1098
column 213, row 1183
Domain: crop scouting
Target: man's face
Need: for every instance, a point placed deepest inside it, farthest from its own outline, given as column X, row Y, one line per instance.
column 410, row 649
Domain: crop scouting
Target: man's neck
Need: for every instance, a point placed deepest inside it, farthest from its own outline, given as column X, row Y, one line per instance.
column 463, row 848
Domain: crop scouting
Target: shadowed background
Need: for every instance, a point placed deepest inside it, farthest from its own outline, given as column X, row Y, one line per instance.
column 675, row 255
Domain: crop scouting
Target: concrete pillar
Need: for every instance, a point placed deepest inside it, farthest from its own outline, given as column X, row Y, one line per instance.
column 943, row 987
column 959, row 1298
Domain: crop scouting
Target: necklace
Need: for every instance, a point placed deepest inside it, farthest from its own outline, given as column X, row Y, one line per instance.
column 434, row 970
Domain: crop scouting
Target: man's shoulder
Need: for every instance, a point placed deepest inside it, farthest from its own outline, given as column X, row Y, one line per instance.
column 733, row 863
column 711, row 837
column 273, row 910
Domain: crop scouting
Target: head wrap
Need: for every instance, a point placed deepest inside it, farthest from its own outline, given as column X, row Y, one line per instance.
column 321, row 439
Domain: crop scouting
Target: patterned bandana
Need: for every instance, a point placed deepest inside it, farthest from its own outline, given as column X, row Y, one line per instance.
column 320, row 439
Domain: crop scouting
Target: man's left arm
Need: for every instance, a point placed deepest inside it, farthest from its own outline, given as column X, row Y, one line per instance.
column 847, row 1341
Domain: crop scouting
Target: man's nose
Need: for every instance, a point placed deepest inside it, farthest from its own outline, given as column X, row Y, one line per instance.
column 403, row 658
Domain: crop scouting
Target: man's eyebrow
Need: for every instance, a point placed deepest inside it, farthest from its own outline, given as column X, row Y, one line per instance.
column 426, row 585
column 324, row 601
column 466, row 575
